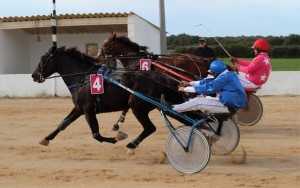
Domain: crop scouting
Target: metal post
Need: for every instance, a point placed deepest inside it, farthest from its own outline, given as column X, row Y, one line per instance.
column 163, row 38
column 53, row 23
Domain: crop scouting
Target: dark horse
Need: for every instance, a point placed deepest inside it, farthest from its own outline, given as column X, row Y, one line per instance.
column 70, row 62
column 129, row 53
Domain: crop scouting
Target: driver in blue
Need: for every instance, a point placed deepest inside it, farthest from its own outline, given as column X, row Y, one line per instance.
column 231, row 94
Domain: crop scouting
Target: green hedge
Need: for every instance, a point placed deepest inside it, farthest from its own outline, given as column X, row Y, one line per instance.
column 280, row 46
column 285, row 52
column 246, row 52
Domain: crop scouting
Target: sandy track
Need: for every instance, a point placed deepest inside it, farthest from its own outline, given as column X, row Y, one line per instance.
column 75, row 159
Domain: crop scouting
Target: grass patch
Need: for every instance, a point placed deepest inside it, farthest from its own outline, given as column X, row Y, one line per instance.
column 278, row 64
column 285, row 64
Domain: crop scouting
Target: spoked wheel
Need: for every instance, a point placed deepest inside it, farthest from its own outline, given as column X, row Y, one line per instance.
column 197, row 156
column 250, row 115
column 228, row 139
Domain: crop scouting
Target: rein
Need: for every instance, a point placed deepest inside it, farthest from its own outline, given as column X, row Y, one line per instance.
column 107, row 71
column 181, row 70
column 81, row 83
column 65, row 75
column 195, row 65
column 157, row 82
column 154, row 57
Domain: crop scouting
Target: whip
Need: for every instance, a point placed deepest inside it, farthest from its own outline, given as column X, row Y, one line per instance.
column 214, row 38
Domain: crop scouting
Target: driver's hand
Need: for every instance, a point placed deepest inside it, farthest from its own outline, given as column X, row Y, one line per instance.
column 234, row 67
column 181, row 89
column 232, row 59
column 184, row 83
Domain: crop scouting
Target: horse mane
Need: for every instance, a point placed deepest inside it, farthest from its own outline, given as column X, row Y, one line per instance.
column 73, row 51
column 131, row 44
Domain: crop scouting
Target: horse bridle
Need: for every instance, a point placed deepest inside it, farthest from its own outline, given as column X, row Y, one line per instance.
column 106, row 52
column 43, row 64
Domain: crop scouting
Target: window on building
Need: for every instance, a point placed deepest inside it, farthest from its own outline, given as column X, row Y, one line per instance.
column 92, row 49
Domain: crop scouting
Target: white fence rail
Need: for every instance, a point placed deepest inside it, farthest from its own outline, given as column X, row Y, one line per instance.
column 22, row 85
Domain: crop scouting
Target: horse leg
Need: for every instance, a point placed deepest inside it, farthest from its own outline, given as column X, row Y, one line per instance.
column 73, row 115
column 120, row 121
column 94, row 126
column 148, row 126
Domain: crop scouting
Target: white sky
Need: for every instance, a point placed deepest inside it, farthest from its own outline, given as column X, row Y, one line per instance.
column 220, row 17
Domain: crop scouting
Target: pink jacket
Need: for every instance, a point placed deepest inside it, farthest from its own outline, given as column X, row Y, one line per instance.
column 257, row 70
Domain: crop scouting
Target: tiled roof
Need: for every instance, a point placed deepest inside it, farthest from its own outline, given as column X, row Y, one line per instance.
column 63, row 16
column 71, row 29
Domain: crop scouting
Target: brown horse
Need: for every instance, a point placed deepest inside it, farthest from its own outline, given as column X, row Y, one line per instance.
column 129, row 53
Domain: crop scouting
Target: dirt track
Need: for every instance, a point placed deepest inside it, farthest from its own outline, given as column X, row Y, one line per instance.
column 75, row 159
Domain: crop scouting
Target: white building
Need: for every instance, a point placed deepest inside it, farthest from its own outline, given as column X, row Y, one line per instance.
column 23, row 40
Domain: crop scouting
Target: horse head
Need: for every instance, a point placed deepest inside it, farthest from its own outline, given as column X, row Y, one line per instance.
column 44, row 68
column 121, row 48
column 107, row 50
column 63, row 61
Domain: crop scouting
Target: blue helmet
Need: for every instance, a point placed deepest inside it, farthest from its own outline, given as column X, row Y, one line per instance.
column 217, row 67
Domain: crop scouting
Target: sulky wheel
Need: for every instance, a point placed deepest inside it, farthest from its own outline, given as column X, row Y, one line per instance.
column 227, row 140
column 197, row 155
column 250, row 115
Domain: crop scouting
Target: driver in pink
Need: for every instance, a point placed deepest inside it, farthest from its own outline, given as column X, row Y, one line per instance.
column 258, row 70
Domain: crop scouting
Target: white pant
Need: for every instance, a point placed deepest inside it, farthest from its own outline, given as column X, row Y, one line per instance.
column 246, row 83
column 208, row 103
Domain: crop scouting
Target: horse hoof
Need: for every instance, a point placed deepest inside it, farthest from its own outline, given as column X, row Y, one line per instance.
column 121, row 136
column 115, row 127
column 44, row 142
column 130, row 152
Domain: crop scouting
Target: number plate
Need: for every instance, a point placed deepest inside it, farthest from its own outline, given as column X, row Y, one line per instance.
column 145, row 64
column 97, row 86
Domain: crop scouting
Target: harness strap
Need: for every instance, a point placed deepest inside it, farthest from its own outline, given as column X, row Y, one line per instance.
column 73, row 86
column 104, row 71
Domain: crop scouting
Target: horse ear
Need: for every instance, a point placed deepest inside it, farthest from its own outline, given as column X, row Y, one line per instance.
column 52, row 49
column 114, row 34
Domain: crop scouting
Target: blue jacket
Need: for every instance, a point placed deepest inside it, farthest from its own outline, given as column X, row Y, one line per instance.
column 232, row 93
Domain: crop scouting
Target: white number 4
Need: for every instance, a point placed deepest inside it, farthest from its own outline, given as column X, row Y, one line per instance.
column 97, row 85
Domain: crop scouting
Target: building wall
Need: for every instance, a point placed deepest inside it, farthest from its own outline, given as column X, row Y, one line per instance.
column 21, row 52
column 14, row 52
column 144, row 33
column 37, row 49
